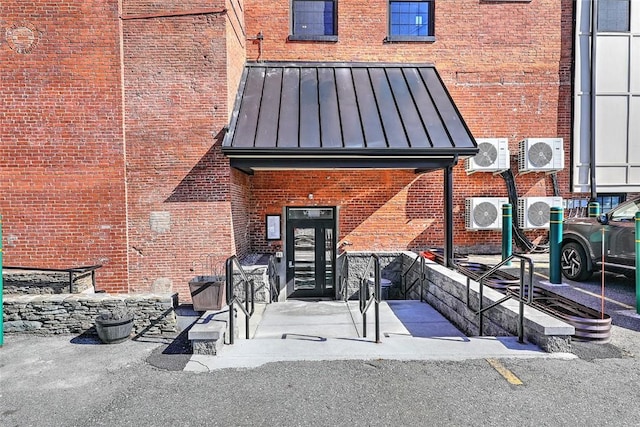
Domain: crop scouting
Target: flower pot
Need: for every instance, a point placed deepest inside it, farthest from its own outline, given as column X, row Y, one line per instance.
column 113, row 331
column 207, row 293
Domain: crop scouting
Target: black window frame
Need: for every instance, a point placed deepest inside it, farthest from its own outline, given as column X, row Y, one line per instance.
column 313, row 37
column 609, row 201
column 430, row 37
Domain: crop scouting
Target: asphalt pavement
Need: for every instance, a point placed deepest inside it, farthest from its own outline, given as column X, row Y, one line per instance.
column 66, row 381
column 77, row 381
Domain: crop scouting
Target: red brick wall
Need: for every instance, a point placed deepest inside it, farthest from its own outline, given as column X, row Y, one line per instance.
column 379, row 210
column 62, row 193
column 502, row 63
column 64, row 152
column 178, row 182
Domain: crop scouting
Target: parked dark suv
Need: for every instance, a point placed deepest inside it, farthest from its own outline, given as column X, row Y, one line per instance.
column 582, row 245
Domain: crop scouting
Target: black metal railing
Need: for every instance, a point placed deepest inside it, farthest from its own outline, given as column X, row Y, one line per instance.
column 234, row 300
column 523, row 296
column 367, row 297
column 274, row 278
column 418, row 262
column 343, row 276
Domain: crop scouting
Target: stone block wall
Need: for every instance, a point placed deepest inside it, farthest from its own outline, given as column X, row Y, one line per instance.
column 76, row 313
column 260, row 280
column 391, row 267
column 34, row 282
column 446, row 291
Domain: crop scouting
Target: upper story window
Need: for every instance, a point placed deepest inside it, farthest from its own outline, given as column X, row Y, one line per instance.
column 613, row 15
column 314, row 20
column 411, row 20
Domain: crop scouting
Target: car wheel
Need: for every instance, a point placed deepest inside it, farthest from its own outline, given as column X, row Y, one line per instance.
column 573, row 262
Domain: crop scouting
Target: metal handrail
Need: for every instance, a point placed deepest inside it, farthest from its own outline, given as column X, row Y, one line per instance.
column 366, row 300
column 522, row 297
column 232, row 298
column 274, row 278
column 405, row 290
column 343, row 278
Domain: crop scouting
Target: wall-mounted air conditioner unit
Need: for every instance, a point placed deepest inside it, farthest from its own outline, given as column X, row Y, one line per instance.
column 541, row 155
column 484, row 213
column 534, row 212
column 492, row 157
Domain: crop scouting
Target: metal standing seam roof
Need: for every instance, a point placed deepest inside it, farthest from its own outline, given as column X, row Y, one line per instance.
column 306, row 115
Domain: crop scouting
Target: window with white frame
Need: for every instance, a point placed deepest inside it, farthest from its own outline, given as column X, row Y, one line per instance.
column 411, row 20
column 314, row 20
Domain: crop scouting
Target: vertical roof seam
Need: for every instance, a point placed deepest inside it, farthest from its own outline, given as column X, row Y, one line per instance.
column 395, row 102
column 377, row 104
column 415, row 104
column 437, row 110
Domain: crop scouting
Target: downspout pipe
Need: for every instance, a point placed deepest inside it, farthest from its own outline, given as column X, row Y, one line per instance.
column 592, row 93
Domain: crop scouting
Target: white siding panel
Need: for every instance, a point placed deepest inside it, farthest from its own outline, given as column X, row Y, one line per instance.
column 634, row 71
column 635, row 17
column 634, row 132
column 612, row 68
column 611, row 176
column 611, row 129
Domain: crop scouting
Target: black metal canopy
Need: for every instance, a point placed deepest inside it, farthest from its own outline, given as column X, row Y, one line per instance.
column 345, row 115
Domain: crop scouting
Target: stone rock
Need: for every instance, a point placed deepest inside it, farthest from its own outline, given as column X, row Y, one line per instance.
column 22, row 326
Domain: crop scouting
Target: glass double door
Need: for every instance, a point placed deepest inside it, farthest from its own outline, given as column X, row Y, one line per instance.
column 310, row 252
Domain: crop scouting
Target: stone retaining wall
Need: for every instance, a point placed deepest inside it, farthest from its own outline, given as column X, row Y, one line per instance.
column 446, row 291
column 391, row 266
column 76, row 313
column 44, row 282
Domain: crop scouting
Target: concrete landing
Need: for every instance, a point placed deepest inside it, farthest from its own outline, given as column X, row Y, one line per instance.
column 332, row 330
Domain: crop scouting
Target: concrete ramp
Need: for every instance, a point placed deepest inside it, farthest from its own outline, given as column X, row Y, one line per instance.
column 332, row 330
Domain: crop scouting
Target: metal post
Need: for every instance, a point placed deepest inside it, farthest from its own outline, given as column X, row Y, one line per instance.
column 448, row 216
column 1, row 291
column 594, row 209
column 480, row 310
column 507, row 227
column 229, row 279
column 555, row 242
column 637, row 262
column 364, row 288
column 378, row 289
column 247, row 308
column 521, row 305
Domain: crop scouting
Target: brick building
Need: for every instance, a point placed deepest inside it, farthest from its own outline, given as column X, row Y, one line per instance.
column 121, row 124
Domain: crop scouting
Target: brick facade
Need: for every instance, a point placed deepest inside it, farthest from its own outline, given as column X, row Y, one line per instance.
column 111, row 128
column 504, row 67
column 62, row 188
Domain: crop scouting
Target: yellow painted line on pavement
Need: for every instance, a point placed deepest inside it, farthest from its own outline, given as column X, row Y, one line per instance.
column 502, row 370
column 621, row 304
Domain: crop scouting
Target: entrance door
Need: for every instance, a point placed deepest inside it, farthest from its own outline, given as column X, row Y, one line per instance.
column 310, row 252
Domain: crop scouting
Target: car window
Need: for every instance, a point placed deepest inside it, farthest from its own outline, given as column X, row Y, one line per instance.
column 626, row 211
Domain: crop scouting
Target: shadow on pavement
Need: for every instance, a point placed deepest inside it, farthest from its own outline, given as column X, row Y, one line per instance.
column 173, row 356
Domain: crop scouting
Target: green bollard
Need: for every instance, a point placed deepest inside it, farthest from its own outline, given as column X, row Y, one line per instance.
column 1, row 291
column 594, row 209
column 637, row 262
column 507, row 230
column 555, row 243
